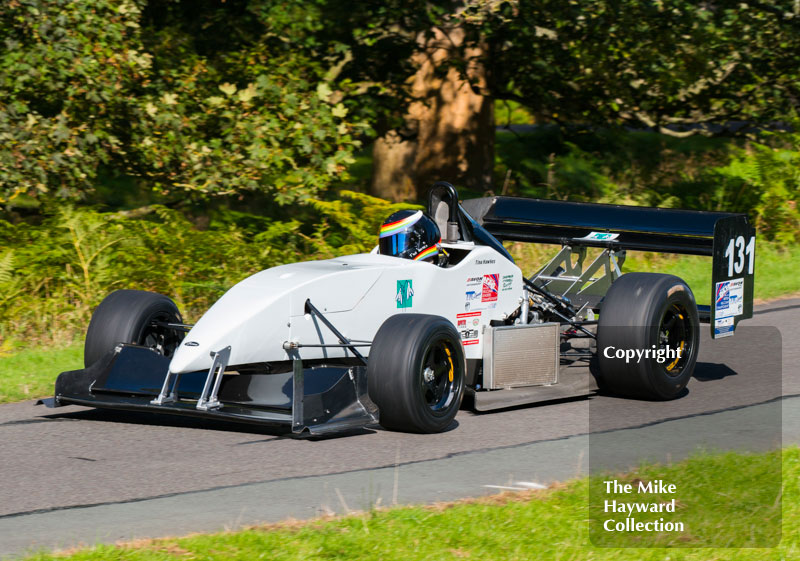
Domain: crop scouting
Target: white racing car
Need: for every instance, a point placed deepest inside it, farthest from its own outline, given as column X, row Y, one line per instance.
column 439, row 308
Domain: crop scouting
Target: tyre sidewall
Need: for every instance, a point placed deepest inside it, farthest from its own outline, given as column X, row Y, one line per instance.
column 425, row 339
column 664, row 385
column 122, row 317
column 395, row 367
column 630, row 319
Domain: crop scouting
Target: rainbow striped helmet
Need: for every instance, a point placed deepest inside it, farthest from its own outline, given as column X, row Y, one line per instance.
column 411, row 235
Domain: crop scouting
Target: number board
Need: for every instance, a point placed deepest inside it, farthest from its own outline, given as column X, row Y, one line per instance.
column 733, row 273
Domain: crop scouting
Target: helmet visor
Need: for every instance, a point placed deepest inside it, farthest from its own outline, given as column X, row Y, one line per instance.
column 397, row 244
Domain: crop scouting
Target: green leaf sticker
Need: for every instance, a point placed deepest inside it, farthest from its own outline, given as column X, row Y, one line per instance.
column 405, row 294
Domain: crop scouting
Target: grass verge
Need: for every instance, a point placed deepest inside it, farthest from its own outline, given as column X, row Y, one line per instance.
column 551, row 524
column 31, row 373
column 776, row 270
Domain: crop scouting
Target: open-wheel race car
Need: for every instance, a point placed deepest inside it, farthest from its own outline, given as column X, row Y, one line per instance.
column 438, row 309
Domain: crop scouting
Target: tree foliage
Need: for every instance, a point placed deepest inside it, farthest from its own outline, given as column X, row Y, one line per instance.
column 764, row 178
column 652, row 63
column 218, row 98
column 83, row 87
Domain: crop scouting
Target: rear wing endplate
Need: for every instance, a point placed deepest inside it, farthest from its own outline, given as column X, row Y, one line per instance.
column 728, row 238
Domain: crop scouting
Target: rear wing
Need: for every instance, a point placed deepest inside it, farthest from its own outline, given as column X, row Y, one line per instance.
column 728, row 238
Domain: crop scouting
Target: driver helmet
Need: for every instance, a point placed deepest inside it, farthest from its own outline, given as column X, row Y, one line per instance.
column 411, row 235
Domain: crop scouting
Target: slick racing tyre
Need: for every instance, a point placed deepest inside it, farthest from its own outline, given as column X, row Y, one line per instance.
column 416, row 373
column 128, row 316
column 647, row 312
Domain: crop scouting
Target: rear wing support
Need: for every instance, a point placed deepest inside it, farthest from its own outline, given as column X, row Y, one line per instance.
column 581, row 287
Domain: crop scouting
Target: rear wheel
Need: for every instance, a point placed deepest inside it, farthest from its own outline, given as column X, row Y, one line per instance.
column 648, row 312
column 416, row 373
column 132, row 316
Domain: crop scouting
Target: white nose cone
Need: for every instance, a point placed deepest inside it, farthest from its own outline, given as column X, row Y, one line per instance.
column 254, row 317
column 186, row 357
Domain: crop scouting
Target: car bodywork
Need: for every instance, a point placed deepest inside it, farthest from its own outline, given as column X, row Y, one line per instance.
column 356, row 293
column 289, row 346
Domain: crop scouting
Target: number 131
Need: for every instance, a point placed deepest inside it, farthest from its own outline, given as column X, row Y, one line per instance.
column 736, row 252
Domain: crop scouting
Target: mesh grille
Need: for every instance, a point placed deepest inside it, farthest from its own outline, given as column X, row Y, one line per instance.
column 525, row 356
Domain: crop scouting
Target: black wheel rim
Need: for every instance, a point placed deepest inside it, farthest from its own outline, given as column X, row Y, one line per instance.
column 439, row 376
column 676, row 331
column 163, row 340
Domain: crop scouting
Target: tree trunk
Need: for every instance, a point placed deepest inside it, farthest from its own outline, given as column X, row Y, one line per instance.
column 450, row 126
column 392, row 168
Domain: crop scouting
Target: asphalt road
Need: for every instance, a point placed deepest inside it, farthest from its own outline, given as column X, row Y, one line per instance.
column 80, row 476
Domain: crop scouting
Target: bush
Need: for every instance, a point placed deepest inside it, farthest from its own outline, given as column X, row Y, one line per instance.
column 52, row 275
column 764, row 178
column 760, row 177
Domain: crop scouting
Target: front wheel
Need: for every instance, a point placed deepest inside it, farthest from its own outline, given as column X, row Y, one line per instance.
column 132, row 316
column 648, row 314
column 416, row 373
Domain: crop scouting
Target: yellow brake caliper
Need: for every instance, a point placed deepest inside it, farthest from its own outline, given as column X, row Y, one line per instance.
column 450, row 360
column 674, row 362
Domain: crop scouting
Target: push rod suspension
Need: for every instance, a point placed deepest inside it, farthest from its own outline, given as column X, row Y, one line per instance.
column 311, row 309
column 558, row 304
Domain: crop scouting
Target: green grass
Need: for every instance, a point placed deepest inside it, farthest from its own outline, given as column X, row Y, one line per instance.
column 776, row 270
column 31, row 373
column 552, row 524
column 724, row 500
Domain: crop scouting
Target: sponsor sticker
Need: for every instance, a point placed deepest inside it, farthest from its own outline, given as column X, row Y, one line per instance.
column 469, row 315
column 508, row 282
column 489, row 288
column 723, row 327
column 405, row 294
column 600, row 236
column 469, row 333
column 729, row 299
column 473, row 293
column 474, row 281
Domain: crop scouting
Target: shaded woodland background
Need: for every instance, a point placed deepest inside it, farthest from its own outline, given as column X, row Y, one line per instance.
column 180, row 145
